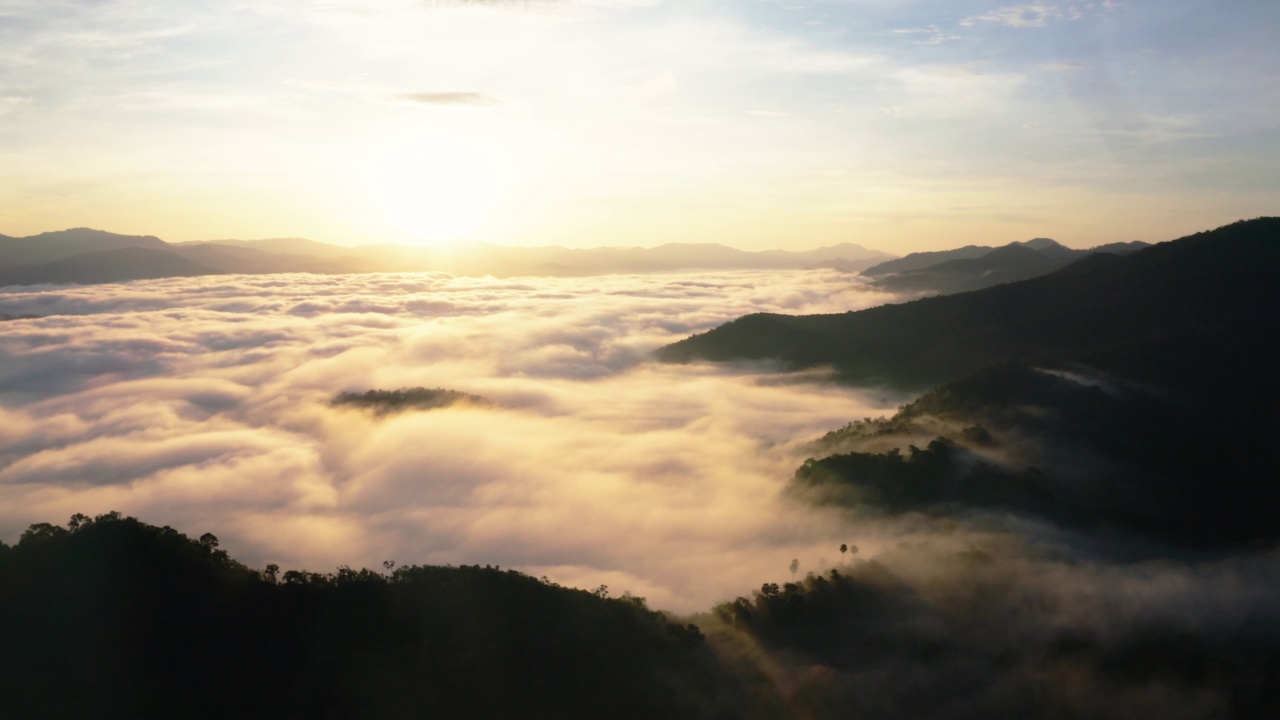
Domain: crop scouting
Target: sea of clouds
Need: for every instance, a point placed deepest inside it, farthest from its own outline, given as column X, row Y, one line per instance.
column 203, row 403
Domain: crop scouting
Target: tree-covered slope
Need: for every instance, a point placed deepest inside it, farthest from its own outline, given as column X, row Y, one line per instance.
column 983, row 636
column 1215, row 284
column 1077, row 451
column 114, row 618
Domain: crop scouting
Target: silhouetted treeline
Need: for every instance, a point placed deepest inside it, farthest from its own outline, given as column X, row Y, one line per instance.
column 983, row 641
column 113, row 618
column 384, row 402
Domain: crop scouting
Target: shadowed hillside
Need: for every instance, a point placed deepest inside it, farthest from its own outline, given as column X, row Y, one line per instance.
column 1102, row 309
column 986, row 636
column 1011, row 263
column 1077, row 450
column 1121, row 395
column 114, row 618
column 106, row 266
column 921, row 260
column 63, row 244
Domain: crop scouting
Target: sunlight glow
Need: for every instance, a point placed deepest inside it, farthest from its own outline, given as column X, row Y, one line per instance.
column 438, row 194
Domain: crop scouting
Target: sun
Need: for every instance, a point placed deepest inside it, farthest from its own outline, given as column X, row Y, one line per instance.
column 437, row 194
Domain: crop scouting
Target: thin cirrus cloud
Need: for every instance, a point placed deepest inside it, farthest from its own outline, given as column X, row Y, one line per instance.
column 1037, row 15
column 446, row 98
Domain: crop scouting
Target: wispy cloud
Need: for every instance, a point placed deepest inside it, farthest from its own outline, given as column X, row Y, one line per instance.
column 1039, row 14
column 447, row 98
column 1019, row 16
column 931, row 35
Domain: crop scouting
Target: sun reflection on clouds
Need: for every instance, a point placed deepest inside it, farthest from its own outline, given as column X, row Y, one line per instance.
column 203, row 404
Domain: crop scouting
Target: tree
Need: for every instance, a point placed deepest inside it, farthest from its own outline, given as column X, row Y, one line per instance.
column 795, row 565
column 843, row 549
column 209, row 541
column 40, row 532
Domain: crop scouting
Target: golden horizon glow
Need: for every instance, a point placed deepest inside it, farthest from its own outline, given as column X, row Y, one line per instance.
column 901, row 128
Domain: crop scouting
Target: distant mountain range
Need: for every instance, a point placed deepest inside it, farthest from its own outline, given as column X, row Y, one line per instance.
column 84, row 255
column 975, row 267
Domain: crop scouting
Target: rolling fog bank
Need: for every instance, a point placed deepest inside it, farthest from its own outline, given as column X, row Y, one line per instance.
column 205, row 402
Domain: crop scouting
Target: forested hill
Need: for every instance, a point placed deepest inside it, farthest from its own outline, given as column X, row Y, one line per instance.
column 1211, row 289
column 110, row 618
column 113, row 618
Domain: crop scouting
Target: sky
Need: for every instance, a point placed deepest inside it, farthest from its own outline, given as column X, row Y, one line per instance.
column 903, row 126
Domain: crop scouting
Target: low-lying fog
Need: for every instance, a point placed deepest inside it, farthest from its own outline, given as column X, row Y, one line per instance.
column 203, row 404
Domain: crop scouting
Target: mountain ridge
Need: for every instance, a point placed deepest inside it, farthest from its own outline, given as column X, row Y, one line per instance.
column 974, row 268
column 1092, row 306
column 23, row 260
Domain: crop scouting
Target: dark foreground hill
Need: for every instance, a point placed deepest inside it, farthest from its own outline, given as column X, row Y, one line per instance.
column 112, row 618
column 118, row 619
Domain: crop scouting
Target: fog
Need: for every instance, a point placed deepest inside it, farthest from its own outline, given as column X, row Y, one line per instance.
column 204, row 404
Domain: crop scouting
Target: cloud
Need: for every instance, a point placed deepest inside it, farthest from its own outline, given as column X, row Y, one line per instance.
column 447, row 98
column 932, row 35
column 1019, row 16
column 986, row 626
column 1038, row 15
column 204, row 404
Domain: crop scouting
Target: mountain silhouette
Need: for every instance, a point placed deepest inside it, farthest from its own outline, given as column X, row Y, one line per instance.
column 113, row 618
column 62, row 244
column 27, row 260
column 920, row 260
column 107, row 266
column 1010, row 263
column 1122, row 394
column 1102, row 308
